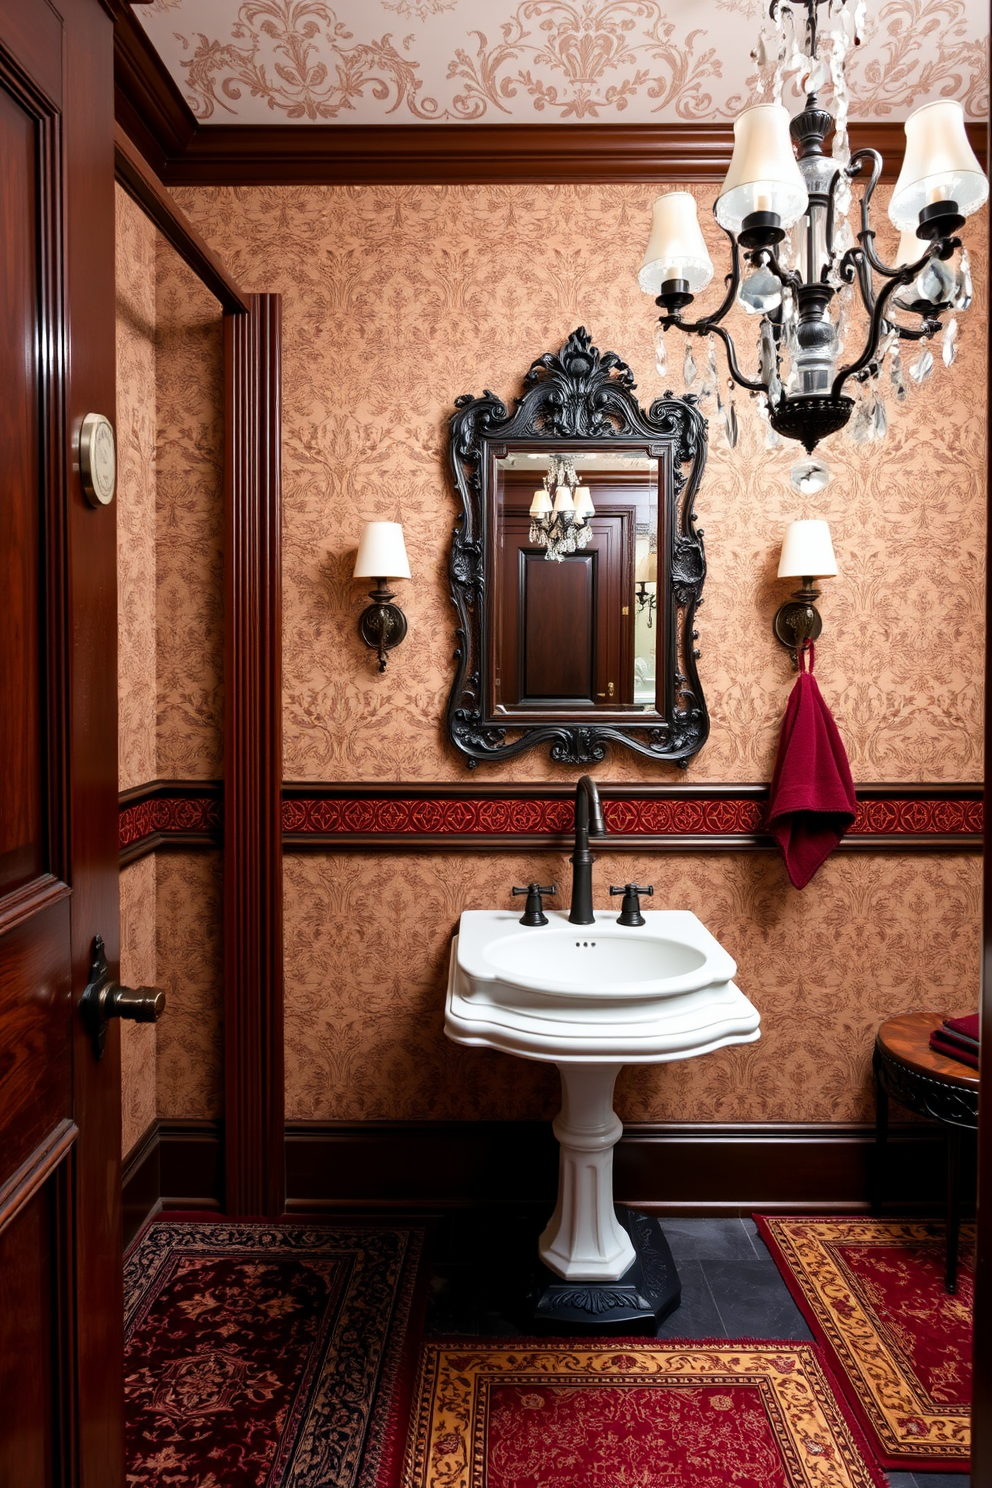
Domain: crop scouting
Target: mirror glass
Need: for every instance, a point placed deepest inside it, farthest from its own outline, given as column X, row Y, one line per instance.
column 574, row 581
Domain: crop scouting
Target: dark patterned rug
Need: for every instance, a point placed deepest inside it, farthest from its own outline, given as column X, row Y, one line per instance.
column 267, row 1355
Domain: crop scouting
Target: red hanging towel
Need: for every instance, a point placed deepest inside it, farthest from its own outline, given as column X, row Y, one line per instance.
column 812, row 797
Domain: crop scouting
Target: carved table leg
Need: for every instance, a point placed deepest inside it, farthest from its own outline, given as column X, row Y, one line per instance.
column 881, row 1138
column 953, row 1205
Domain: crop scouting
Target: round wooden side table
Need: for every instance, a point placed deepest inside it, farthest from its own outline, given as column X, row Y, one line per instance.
column 910, row 1072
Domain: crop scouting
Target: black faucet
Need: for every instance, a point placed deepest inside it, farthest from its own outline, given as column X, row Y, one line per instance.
column 588, row 823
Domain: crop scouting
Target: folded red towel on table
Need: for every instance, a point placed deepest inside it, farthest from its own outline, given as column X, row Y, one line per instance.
column 941, row 1044
column 965, row 1028
column 812, row 796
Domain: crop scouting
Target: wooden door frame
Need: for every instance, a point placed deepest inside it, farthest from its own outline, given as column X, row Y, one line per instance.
column 254, row 1100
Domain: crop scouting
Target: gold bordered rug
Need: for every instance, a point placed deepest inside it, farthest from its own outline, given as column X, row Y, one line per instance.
column 630, row 1413
column 872, row 1290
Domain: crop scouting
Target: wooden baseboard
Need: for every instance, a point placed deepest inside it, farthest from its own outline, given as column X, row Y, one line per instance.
column 665, row 1168
column 674, row 1168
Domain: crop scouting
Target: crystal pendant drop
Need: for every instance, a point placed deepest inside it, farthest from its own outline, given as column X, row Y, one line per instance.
column 730, row 426
column 965, row 291
column 774, row 389
column 809, row 476
column 767, row 353
column 860, row 428
column 760, row 292
column 949, row 343
column 660, row 353
column 689, row 368
column 879, row 418
column 936, row 282
column 920, row 370
column 895, row 375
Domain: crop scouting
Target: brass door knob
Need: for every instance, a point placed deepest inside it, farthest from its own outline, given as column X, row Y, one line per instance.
column 104, row 999
column 140, row 1004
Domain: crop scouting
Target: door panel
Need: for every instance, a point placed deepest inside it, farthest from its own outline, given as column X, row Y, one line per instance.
column 21, row 738
column 61, row 1356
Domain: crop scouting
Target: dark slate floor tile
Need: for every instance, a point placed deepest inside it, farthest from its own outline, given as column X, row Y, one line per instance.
column 708, row 1239
column 697, row 1316
column 901, row 1480
column 941, row 1480
column 753, row 1300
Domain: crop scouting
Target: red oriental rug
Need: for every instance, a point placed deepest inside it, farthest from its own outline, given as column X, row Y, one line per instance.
column 628, row 1413
column 872, row 1290
column 267, row 1355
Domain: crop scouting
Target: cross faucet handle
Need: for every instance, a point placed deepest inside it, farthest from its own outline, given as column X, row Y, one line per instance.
column 534, row 913
column 630, row 910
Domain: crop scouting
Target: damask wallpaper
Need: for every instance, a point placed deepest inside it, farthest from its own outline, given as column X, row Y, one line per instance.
column 139, row 968
column 397, row 299
column 169, row 664
column 135, row 506
column 189, row 574
column 368, row 940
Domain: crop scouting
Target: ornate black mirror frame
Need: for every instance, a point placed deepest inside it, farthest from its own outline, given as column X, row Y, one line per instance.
column 579, row 394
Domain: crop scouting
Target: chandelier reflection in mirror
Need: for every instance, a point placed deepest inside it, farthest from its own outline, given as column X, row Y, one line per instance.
column 560, row 510
column 795, row 264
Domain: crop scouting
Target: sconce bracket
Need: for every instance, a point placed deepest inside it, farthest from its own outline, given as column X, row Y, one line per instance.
column 382, row 625
column 798, row 620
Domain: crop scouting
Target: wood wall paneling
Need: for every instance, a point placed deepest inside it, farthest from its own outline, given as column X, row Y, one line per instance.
column 671, row 1168
column 253, row 962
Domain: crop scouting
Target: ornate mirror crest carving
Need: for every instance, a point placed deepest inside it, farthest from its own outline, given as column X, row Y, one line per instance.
column 581, row 401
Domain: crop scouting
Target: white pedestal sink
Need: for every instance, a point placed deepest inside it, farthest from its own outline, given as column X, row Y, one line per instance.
column 590, row 999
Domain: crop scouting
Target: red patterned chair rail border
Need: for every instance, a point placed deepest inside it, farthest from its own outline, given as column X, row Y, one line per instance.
column 684, row 816
column 167, row 815
column 343, row 817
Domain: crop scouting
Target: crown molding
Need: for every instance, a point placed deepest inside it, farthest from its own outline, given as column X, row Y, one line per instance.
column 152, row 111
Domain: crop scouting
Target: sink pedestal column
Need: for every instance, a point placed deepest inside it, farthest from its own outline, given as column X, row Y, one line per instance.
column 584, row 1240
column 605, row 1270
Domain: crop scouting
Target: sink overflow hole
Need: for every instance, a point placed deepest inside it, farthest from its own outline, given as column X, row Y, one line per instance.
column 585, row 943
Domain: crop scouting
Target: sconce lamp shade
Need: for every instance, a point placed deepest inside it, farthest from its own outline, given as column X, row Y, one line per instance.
column 382, row 552
column 764, row 175
column 563, row 500
column 675, row 248
column 646, row 571
column 807, row 551
column 939, row 165
column 541, row 503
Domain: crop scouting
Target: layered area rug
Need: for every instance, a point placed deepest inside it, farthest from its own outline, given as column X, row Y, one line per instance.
column 630, row 1414
column 872, row 1291
column 270, row 1354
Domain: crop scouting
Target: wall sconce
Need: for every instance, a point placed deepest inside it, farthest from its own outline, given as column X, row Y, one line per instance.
column 382, row 555
column 646, row 589
column 807, row 554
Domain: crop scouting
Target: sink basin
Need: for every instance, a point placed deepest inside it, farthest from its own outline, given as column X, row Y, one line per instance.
column 602, row 992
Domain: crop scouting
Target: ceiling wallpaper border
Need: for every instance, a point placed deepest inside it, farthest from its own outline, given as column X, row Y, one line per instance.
column 153, row 113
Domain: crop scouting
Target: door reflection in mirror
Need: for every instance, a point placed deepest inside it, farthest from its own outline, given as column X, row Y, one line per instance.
column 571, row 628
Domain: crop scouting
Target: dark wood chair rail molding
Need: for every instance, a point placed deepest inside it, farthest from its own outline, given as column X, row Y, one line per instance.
column 139, row 180
column 154, row 113
column 939, row 817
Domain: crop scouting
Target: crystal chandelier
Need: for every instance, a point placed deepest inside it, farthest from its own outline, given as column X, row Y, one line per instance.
column 794, row 261
column 560, row 510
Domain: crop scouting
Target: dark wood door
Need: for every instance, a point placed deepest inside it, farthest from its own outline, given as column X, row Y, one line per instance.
column 566, row 629
column 61, row 1364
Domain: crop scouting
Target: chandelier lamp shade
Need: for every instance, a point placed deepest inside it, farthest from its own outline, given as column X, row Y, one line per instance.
column 818, row 287
column 559, row 522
